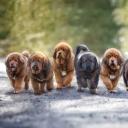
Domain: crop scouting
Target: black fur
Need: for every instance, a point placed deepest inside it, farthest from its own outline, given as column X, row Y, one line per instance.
column 87, row 68
column 125, row 74
column 80, row 48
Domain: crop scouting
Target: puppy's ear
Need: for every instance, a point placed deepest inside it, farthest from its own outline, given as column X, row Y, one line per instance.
column 54, row 54
column 96, row 63
column 29, row 62
column 21, row 58
column 80, row 64
column 77, row 51
column 120, row 60
column 6, row 61
column 46, row 67
column 105, row 60
column 81, row 47
column 30, row 59
column 69, row 54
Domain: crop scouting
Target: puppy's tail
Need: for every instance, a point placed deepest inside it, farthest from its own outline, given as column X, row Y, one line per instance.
column 81, row 48
column 26, row 53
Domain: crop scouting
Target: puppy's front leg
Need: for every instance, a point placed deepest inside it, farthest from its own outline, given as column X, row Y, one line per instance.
column 106, row 80
column 26, row 80
column 79, row 83
column 114, row 82
column 19, row 83
column 50, row 85
column 67, row 79
column 59, row 79
column 42, row 85
column 125, row 81
column 35, row 86
column 94, row 82
column 12, row 82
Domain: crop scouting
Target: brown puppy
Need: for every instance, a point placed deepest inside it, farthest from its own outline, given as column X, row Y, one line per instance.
column 63, row 63
column 17, row 70
column 41, row 72
column 111, row 68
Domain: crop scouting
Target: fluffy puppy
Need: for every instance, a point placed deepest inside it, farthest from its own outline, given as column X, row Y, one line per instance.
column 125, row 74
column 41, row 72
column 80, row 48
column 63, row 63
column 17, row 70
column 111, row 68
column 87, row 68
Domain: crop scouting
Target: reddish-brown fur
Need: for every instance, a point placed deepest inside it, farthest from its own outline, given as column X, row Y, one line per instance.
column 63, row 63
column 110, row 74
column 20, row 78
column 43, row 76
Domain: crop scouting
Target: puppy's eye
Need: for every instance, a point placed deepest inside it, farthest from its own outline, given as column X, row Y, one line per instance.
column 116, row 56
column 109, row 56
column 62, row 49
column 16, row 60
column 38, row 60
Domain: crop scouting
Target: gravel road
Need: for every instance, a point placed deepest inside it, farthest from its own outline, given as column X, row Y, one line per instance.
column 65, row 109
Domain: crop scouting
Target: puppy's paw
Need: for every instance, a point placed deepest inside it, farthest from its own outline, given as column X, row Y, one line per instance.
column 37, row 92
column 69, row 86
column 85, row 86
column 93, row 91
column 49, row 89
column 126, row 88
column 59, row 88
column 113, row 91
column 26, row 87
column 80, row 90
column 16, row 91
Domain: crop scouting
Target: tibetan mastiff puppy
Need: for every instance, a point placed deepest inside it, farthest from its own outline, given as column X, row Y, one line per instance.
column 17, row 70
column 63, row 64
column 41, row 73
column 111, row 68
column 125, row 74
column 87, row 68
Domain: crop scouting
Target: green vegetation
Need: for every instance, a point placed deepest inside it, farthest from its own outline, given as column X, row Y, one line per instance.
column 40, row 24
column 121, row 19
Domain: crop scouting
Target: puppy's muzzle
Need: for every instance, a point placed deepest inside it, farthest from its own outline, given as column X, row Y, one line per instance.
column 113, row 61
column 60, row 54
column 35, row 66
column 13, row 66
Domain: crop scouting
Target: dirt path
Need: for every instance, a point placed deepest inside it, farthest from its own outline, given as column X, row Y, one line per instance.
column 65, row 109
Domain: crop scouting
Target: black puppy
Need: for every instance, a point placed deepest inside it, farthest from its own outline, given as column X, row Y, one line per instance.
column 125, row 74
column 87, row 68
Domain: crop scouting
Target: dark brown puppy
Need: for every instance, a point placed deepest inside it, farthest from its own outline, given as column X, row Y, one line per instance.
column 63, row 64
column 41, row 72
column 125, row 74
column 87, row 69
column 111, row 68
column 17, row 70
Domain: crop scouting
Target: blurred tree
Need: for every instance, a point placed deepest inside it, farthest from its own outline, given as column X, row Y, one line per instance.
column 40, row 24
column 121, row 18
column 6, row 22
column 35, row 24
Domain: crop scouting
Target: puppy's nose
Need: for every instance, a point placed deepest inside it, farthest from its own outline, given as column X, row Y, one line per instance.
column 112, row 61
column 11, row 64
column 59, row 53
column 35, row 67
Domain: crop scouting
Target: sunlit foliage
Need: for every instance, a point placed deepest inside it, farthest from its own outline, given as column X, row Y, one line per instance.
column 40, row 24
